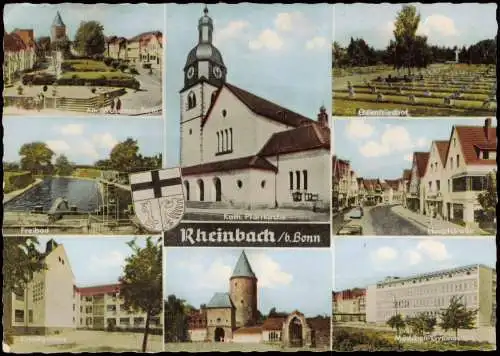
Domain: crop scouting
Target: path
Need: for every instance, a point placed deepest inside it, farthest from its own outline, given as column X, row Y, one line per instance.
column 14, row 194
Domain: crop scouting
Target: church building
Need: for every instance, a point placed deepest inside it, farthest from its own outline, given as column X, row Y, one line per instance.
column 239, row 150
column 234, row 317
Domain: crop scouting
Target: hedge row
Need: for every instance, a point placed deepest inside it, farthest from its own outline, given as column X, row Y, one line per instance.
column 15, row 181
column 101, row 82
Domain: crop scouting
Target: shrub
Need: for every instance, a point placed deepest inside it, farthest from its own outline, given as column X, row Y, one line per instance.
column 45, row 87
column 107, row 61
column 20, row 90
column 93, row 90
column 74, row 76
column 146, row 65
column 38, row 79
column 122, row 67
column 102, row 81
column 115, row 64
column 133, row 70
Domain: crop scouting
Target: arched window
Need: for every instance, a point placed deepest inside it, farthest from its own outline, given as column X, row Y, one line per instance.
column 297, row 184
column 227, row 140
column 304, row 173
column 291, row 179
column 218, row 142
column 223, row 139
column 191, row 100
column 231, row 140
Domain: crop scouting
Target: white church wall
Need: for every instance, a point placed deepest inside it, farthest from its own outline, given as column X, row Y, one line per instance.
column 247, row 338
column 317, row 165
column 250, row 131
column 197, row 334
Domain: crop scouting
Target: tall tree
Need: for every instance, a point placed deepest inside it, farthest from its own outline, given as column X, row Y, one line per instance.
column 405, row 29
column 457, row 316
column 489, row 197
column 89, row 38
column 141, row 282
column 396, row 322
column 124, row 155
column 176, row 320
column 63, row 166
column 35, row 157
column 421, row 323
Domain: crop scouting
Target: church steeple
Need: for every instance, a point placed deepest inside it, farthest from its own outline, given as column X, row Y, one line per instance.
column 205, row 27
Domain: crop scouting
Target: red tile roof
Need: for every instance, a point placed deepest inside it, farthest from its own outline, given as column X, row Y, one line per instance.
column 349, row 294
column 274, row 323
column 442, row 147
column 249, row 330
column 13, row 43
column 263, row 107
column 372, row 184
column 393, row 183
column 250, row 162
column 95, row 290
column 421, row 158
column 312, row 136
column 146, row 36
column 471, row 137
column 26, row 36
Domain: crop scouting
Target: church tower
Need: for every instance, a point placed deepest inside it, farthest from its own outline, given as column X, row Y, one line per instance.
column 243, row 292
column 204, row 73
column 58, row 29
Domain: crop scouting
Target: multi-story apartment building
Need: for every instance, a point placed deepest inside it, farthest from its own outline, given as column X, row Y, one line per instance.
column 341, row 182
column 394, row 191
column 19, row 54
column 101, row 307
column 146, row 48
column 415, row 192
column 361, row 189
column 433, row 180
column 431, row 292
column 52, row 302
column 471, row 156
column 48, row 303
column 349, row 305
column 353, row 191
column 373, row 191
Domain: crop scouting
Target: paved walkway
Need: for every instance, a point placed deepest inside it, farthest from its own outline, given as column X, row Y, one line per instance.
column 436, row 226
column 9, row 196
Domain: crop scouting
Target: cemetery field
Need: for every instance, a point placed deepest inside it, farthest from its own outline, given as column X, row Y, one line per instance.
column 441, row 90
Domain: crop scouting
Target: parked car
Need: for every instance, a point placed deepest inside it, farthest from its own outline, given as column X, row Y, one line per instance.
column 350, row 230
column 355, row 213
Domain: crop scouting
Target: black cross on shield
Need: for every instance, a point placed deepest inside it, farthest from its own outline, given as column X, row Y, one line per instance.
column 158, row 198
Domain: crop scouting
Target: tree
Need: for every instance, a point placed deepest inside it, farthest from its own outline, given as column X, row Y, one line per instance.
column 405, row 29
column 43, row 46
column 63, row 166
column 421, row 323
column 457, row 316
column 141, row 282
column 36, row 157
column 124, row 155
column 11, row 166
column 89, row 39
column 103, row 164
column 176, row 320
column 396, row 322
column 488, row 198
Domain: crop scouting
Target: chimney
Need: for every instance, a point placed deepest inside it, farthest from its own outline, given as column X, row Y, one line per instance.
column 487, row 126
column 323, row 116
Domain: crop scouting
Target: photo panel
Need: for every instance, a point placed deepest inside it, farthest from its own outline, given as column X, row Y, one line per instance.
column 66, row 176
column 422, row 294
column 251, row 133
column 414, row 59
column 83, row 59
column 247, row 300
column 428, row 176
column 57, row 299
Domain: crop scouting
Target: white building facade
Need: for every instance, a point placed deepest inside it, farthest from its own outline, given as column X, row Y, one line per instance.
column 242, row 151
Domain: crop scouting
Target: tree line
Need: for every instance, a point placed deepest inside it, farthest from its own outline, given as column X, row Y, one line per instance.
column 407, row 50
column 38, row 158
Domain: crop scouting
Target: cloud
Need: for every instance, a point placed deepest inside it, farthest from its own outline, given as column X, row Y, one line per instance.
column 437, row 25
column 422, row 142
column 267, row 39
column 290, row 21
column 435, row 250
column 111, row 259
column 87, row 148
column 317, row 42
column 408, row 157
column 359, row 129
column 71, row 129
column 269, row 271
column 413, row 257
column 58, row 146
column 384, row 254
column 105, row 140
column 215, row 276
column 393, row 139
column 232, row 31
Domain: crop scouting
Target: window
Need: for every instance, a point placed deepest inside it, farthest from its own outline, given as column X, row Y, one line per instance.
column 231, row 140
column 458, row 161
column 430, row 185
column 30, row 316
column 227, row 140
column 454, row 142
column 451, row 162
column 239, row 183
column 218, row 142
column 124, row 321
column 297, row 183
column 190, row 131
column 290, row 174
column 224, row 113
column 20, row 297
column 138, row 321
column 438, row 185
column 486, row 154
column 19, row 316
column 224, row 141
column 111, row 308
column 304, row 173
column 191, row 100
column 477, row 183
column 212, row 98
column 263, row 184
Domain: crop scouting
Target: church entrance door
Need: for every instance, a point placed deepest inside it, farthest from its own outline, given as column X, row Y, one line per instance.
column 295, row 333
column 219, row 335
column 218, row 189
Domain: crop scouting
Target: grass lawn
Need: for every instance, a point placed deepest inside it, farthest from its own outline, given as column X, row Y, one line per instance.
column 87, row 64
column 87, row 172
column 448, row 346
column 96, row 75
column 7, row 179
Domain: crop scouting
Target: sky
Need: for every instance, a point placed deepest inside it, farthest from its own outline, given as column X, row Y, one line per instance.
column 126, row 20
column 95, row 260
column 383, row 148
column 83, row 140
column 444, row 24
column 377, row 258
column 279, row 52
column 287, row 279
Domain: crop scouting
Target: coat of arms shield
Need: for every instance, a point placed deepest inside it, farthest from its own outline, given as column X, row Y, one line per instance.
column 158, row 198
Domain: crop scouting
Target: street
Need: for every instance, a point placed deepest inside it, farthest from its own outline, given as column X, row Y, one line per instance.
column 379, row 220
column 147, row 98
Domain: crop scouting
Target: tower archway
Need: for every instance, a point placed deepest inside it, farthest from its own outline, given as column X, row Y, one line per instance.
column 219, row 335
